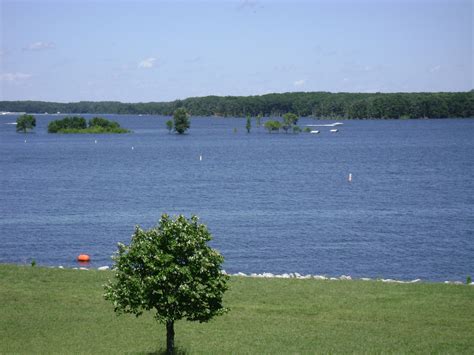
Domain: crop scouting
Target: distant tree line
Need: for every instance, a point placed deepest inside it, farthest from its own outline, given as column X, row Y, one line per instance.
column 303, row 104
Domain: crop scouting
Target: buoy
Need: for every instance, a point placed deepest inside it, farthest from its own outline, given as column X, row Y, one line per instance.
column 350, row 177
column 133, row 148
column 200, row 157
column 95, row 141
column 83, row 257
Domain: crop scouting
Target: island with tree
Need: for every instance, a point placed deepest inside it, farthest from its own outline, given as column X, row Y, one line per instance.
column 180, row 123
column 76, row 124
column 25, row 123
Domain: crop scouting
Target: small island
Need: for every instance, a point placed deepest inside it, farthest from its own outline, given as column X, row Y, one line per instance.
column 96, row 125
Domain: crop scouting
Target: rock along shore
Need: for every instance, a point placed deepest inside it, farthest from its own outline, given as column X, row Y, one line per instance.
column 295, row 275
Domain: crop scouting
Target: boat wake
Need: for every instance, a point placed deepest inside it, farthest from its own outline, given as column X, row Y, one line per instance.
column 325, row 125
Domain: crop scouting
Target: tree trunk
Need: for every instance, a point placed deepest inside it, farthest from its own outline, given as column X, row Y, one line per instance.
column 170, row 337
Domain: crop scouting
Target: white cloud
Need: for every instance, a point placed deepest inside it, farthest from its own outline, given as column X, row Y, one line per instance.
column 147, row 63
column 435, row 69
column 300, row 82
column 14, row 77
column 40, row 46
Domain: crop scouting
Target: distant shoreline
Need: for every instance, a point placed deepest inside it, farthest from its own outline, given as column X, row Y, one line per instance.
column 323, row 105
column 239, row 117
column 269, row 275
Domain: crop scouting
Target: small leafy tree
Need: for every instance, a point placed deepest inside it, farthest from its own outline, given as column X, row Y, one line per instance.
column 25, row 122
column 181, row 120
column 272, row 126
column 171, row 270
column 169, row 125
column 248, row 125
column 289, row 120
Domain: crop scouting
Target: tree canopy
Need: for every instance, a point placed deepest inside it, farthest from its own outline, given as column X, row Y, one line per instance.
column 25, row 123
column 76, row 124
column 181, row 120
column 289, row 120
column 170, row 270
column 272, row 125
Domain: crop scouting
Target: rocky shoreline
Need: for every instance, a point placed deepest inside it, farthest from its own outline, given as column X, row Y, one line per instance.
column 295, row 275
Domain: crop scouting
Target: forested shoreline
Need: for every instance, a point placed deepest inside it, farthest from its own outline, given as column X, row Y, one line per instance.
column 304, row 104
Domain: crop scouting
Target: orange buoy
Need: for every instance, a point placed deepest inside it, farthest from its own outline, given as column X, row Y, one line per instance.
column 83, row 257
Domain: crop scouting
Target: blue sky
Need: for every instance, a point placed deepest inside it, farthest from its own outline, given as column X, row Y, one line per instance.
column 140, row 51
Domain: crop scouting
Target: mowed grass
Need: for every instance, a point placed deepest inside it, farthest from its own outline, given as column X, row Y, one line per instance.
column 46, row 310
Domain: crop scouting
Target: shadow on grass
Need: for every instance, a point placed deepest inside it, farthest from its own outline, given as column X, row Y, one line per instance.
column 162, row 351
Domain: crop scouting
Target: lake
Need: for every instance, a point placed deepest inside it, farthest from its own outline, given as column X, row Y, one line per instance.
column 273, row 202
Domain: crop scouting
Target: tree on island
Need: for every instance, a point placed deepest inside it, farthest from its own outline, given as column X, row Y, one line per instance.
column 248, row 125
column 103, row 123
column 181, row 120
column 75, row 124
column 67, row 123
column 289, row 120
column 171, row 270
column 272, row 126
column 25, row 123
column 169, row 125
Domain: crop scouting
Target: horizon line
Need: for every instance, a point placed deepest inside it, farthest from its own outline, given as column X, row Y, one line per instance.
column 240, row 96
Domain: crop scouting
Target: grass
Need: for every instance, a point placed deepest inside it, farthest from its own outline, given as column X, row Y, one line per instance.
column 62, row 311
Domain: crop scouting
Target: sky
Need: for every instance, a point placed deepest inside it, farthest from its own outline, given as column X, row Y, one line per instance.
column 142, row 51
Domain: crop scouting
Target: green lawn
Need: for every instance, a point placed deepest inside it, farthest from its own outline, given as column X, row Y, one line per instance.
column 62, row 311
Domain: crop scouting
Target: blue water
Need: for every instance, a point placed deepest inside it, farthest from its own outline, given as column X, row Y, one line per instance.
column 274, row 203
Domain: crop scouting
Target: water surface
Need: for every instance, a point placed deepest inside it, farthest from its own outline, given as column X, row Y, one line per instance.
column 273, row 202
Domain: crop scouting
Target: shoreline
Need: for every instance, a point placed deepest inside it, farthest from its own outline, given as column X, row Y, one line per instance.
column 291, row 275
